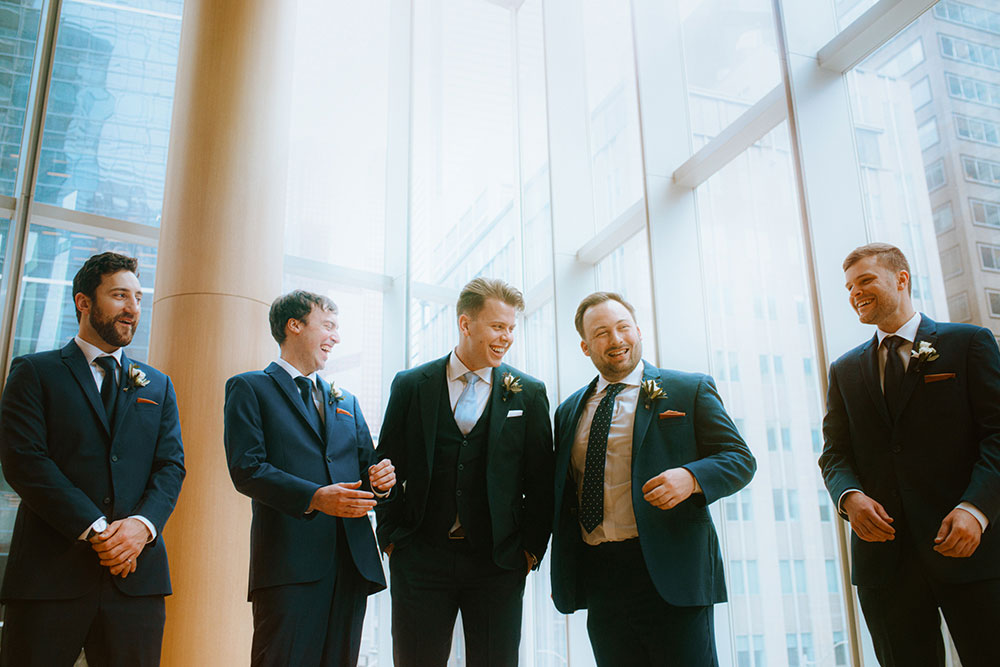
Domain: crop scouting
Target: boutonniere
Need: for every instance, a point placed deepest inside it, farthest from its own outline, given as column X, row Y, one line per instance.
column 651, row 391
column 135, row 378
column 923, row 353
column 335, row 396
column 511, row 385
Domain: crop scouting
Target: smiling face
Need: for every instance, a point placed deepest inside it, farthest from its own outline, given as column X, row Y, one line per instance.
column 309, row 340
column 110, row 318
column 485, row 336
column 611, row 339
column 879, row 295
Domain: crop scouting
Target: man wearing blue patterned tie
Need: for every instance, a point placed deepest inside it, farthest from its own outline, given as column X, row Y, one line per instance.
column 471, row 441
column 300, row 448
column 633, row 543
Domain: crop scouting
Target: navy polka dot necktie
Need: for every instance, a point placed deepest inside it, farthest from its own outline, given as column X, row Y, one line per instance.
column 592, row 498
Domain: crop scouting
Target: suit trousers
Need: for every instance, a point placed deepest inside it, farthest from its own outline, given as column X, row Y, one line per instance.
column 630, row 624
column 431, row 583
column 312, row 624
column 113, row 629
column 905, row 623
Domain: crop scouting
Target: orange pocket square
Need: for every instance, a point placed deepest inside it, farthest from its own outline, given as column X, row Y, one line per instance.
column 146, row 400
column 668, row 414
column 342, row 411
column 937, row 377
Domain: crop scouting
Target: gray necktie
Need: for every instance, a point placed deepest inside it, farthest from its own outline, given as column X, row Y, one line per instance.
column 465, row 409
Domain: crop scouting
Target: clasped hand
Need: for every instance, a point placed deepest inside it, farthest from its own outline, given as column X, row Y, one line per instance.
column 120, row 544
column 347, row 499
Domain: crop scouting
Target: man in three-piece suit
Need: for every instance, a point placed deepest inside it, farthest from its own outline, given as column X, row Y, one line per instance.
column 912, row 460
column 640, row 454
column 91, row 442
column 470, row 437
column 301, row 449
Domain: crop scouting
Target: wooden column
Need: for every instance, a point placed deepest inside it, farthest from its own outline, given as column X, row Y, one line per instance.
column 219, row 267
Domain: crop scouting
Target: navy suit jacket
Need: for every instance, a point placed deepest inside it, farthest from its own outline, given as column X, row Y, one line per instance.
column 71, row 467
column 279, row 459
column 679, row 545
column 941, row 448
column 518, row 468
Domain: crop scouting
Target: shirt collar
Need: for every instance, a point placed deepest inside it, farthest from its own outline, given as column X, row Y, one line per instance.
column 907, row 332
column 633, row 379
column 293, row 371
column 91, row 352
column 456, row 369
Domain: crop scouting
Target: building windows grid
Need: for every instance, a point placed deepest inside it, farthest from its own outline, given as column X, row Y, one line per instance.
column 968, row 15
column 973, row 53
column 973, row 90
column 979, row 170
column 977, row 129
column 989, row 256
column 986, row 213
column 935, row 175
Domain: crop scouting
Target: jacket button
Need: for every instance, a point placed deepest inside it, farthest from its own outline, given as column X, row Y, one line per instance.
column 329, row 460
column 459, row 492
column 114, row 458
column 897, row 449
column 461, row 466
column 107, row 501
column 465, row 442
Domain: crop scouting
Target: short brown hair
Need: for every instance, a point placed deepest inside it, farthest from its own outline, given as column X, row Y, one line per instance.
column 296, row 305
column 886, row 254
column 478, row 290
column 596, row 299
column 91, row 274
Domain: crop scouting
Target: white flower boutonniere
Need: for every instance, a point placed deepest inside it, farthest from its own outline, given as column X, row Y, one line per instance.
column 511, row 385
column 923, row 353
column 336, row 396
column 136, row 378
column 651, row 391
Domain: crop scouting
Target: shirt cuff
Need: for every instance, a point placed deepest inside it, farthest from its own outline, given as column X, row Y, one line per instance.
column 840, row 500
column 146, row 522
column 974, row 511
column 98, row 526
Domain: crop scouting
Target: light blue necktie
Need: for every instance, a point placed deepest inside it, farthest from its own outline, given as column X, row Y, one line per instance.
column 465, row 409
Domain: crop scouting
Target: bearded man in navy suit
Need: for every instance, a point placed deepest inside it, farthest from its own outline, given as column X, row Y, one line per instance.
column 300, row 448
column 912, row 459
column 91, row 442
column 640, row 454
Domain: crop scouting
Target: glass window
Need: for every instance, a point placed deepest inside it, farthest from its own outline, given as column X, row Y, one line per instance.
column 985, row 212
column 935, row 175
column 627, row 271
column 977, row 129
column 928, row 133
column 982, row 171
column 778, row 496
column 993, row 297
column 107, row 122
column 990, row 256
column 825, row 505
column 18, row 34
column 46, row 318
column 943, row 219
column 958, row 308
column 906, row 59
column 973, row 90
column 920, row 92
column 951, row 262
column 839, row 648
column 973, row 53
column 968, row 15
column 868, row 148
column 613, row 110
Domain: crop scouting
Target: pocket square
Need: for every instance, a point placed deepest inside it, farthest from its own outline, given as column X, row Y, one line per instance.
column 937, row 377
column 342, row 411
column 146, row 400
column 514, row 413
column 668, row 414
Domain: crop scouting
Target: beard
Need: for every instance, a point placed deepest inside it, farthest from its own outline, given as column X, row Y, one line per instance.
column 104, row 325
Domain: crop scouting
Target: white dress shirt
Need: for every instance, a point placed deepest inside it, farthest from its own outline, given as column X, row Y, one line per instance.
column 456, row 384
column 908, row 332
column 618, row 522
column 91, row 353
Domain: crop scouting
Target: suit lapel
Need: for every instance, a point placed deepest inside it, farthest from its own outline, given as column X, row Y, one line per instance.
column 564, row 447
column 123, row 399
column 927, row 331
column 73, row 357
column 643, row 414
column 287, row 386
column 497, row 408
column 331, row 420
column 870, row 376
column 429, row 389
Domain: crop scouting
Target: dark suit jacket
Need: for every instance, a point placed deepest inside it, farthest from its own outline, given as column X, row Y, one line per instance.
column 70, row 469
column 940, row 449
column 279, row 459
column 518, row 468
column 679, row 545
